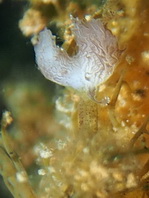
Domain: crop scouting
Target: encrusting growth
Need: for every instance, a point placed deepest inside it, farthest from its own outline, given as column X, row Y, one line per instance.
column 97, row 56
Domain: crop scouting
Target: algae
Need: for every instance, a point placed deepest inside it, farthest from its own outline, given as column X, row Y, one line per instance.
column 74, row 146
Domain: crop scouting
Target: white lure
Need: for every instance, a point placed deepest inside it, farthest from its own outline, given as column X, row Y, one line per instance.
column 93, row 64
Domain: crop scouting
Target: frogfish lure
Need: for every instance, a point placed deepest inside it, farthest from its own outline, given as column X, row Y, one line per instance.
column 93, row 64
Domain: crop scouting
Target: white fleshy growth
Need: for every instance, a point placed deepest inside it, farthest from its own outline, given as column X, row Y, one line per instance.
column 94, row 63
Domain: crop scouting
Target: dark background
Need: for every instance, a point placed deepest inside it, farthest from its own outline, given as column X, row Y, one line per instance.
column 16, row 51
column 16, row 56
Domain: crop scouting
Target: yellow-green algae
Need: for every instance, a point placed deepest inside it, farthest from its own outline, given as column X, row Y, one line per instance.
column 85, row 154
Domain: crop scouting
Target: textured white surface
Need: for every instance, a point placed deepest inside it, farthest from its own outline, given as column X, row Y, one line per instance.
column 94, row 63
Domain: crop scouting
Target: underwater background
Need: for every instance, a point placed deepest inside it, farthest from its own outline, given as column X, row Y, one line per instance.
column 66, row 144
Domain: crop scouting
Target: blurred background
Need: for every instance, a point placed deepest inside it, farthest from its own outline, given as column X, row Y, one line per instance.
column 16, row 56
column 19, row 76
